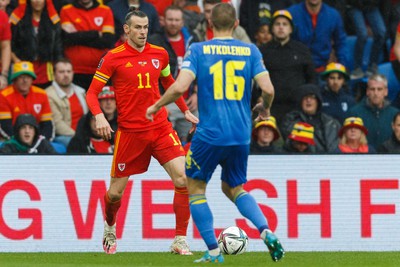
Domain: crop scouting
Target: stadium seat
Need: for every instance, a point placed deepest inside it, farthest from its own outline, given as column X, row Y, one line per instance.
column 351, row 43
column 59, row 148
column 393, row 83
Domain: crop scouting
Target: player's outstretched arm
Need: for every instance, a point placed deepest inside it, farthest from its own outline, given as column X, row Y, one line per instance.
column 172, row 94
column 268, row 93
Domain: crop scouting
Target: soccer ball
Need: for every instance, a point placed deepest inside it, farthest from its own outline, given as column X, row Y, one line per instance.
column 233, row 241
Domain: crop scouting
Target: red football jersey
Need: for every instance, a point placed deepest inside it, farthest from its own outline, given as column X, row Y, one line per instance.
column 12, row 104
column 5, row 28
column 101, row 19
column 135, row 76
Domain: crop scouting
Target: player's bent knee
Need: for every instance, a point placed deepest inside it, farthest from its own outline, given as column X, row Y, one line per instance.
column 180, row 181
column 115, row 195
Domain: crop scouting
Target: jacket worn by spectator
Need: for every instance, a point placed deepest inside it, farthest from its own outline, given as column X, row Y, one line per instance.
column 85, row 141
column 289, row 65
column 60, row 107
column 391, row 145
column 40, row 46
column 319, row 39
column 325, row 127
column 16, row 146
column 47, row 46
column 256, row 149
column 338, row 104
column 378, row 121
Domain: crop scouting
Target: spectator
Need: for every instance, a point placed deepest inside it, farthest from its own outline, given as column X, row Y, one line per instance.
column 320, row 26
column 5, row 48
column 23, row 97
column 375, row 110
column 36, row 37
column 359, row 12
column 301, row 139
column 392, row 145
column 289, row 63
column 121, row 7
column 175, row 38
column 353, row 137
column 203, row 30
column 67, row 102
column 5, row 6
column 86, row 139
column 325, row 126
column 253, row 14
column 108, row 105
column 192, row 14
column 26, row 138
column 263, row 34
column 88, row 29
column 263, row 137
column 395, row 56
column 336, row 99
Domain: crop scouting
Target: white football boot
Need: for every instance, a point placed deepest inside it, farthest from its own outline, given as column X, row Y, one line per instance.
column 109, row 239
column 180, row 246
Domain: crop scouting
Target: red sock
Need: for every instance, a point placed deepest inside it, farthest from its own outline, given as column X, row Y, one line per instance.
column 111, row 210
column 181, row 209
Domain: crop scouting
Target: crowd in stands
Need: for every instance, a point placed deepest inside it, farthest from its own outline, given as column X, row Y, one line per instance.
column 330, row 97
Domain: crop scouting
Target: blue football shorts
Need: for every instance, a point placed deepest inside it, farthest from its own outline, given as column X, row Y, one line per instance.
column 203, row 158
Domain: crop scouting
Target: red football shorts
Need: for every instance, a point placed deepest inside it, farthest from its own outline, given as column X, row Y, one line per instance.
column 133, row 150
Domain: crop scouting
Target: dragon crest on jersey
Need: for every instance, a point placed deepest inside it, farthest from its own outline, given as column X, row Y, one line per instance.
column 37, row 108
column 98, row 21
column 121, row 166
column 156, row 63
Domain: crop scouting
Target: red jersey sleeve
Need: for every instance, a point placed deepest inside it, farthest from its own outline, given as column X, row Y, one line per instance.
column 108, row 25
column 100, row 78
column 5, row 110
column 46, row 114
column 5, row 28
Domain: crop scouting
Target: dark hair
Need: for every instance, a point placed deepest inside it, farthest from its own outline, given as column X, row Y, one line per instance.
column 212, row 2
column 395, row 117
column 61, row 60
column 134, row 12
column 223, row 16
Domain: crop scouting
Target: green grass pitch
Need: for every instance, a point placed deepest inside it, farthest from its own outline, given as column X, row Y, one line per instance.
column 253, row 259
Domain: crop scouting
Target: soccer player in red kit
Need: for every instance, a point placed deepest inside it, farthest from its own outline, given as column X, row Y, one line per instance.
column 135, row 68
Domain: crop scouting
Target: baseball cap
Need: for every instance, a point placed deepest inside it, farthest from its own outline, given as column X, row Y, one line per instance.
column 22, row 67
column 303, row 132
column 335, row 67
column 356, row 122
column 269, row 122
column 282, row 13
column 107, row 92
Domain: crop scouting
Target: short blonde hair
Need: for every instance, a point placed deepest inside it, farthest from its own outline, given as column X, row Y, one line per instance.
column 363, row 139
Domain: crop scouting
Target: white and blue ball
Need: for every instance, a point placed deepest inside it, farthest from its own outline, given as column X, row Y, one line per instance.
column 233, row 241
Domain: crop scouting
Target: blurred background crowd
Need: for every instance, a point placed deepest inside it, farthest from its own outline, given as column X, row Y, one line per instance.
column 335, row 67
